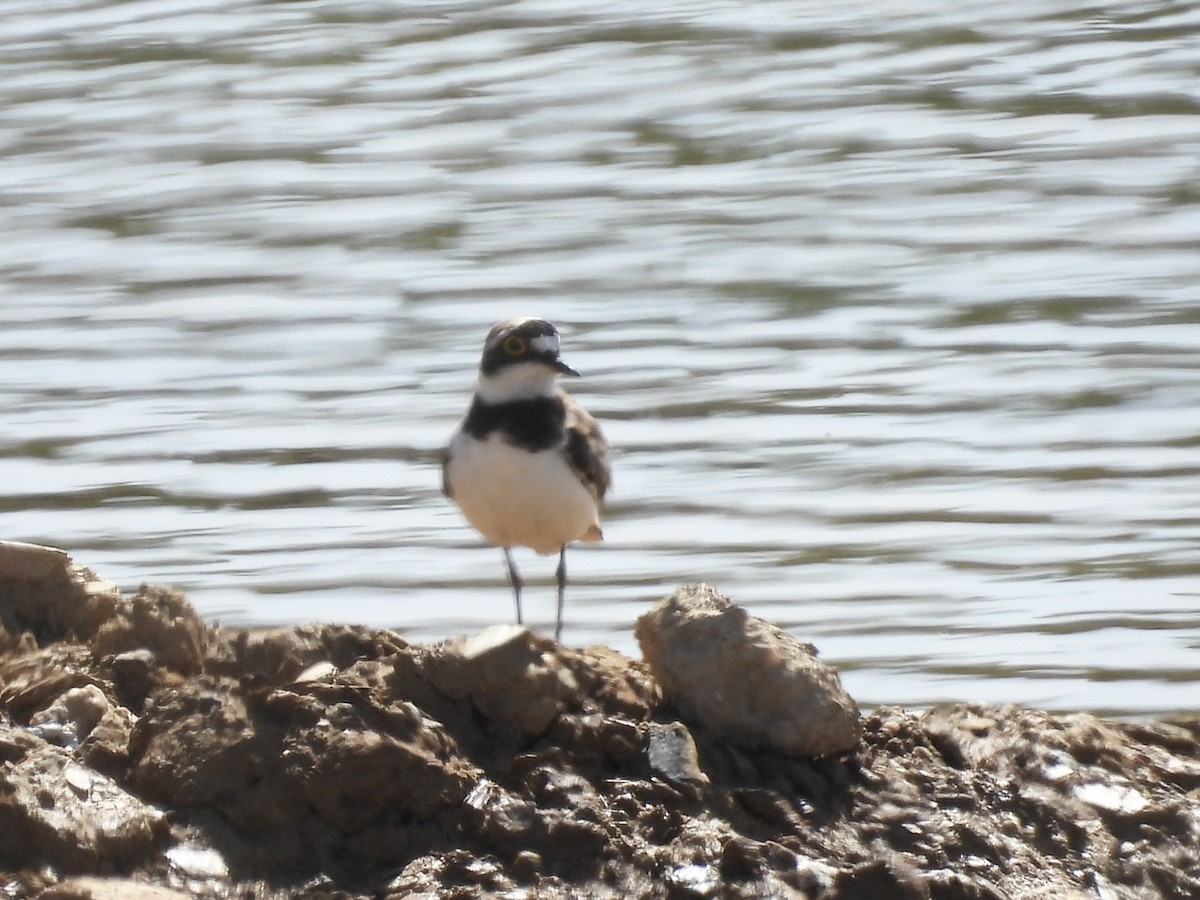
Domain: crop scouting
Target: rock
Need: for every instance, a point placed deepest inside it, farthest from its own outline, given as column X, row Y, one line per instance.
column 504, row 819
column 276, row 656
column 160, row 620
column 325, row 772
column 32, row 678
column 509, row 674
column 92, row 888
column 33, row 563
column 691, row 879
column 56, row 812
column 745, row 679
column 341, row 762
column 953, row 886
column 133, row 676
column 42, row 592
column 616, row 684
column 72, row 717
column 673, row 757
column 888, row 877
column 106, row 747
column 197, row 747
column 361, row 772
column 197, row 862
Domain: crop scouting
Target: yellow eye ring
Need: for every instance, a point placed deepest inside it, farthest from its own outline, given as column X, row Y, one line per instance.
column 515, row 345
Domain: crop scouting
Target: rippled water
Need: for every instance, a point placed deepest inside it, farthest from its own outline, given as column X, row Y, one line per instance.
column 890, row 311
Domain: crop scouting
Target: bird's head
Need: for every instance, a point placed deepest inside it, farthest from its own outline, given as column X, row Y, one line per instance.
column 520, row 359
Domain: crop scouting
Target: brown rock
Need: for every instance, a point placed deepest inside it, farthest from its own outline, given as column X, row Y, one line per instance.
column 279, row 655
column 509, row 674
column 341, row 762
column 72, row 716
column 161, row 620
column 32, row 678
column 133, row 676
column 106, row 748
column 322, row 772
column 91, row 888
column 365, row 768
column 195, row 745
column 618, row 685
column 44, row 593
column 745, row 679
column 56, row 812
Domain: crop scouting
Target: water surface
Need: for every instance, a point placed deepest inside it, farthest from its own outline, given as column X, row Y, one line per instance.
column 890, row 313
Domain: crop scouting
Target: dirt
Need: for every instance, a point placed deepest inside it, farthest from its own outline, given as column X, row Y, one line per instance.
column 144, row 754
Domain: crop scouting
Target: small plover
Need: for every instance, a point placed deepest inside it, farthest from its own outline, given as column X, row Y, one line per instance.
column 528, row 465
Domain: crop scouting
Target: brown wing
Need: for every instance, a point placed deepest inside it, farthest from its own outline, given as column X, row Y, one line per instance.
column 587, row 449
column 445, row 466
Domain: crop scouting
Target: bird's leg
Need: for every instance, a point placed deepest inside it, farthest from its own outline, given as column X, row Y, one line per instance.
column 514, row 579
column 561, row 574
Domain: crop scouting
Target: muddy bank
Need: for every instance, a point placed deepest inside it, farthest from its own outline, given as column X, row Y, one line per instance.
column 145, row 754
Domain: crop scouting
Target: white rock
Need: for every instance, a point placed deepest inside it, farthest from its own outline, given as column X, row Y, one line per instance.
column 1111, row 798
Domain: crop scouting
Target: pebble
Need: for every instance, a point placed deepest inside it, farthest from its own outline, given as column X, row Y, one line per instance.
column 672, row 754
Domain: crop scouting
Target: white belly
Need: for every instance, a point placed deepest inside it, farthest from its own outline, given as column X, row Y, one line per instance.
column 516, row 498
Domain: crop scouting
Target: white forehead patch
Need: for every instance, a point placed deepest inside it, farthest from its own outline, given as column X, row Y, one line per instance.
column 545, row 343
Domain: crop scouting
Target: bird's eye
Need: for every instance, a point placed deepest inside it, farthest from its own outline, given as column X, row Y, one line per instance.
column 515, row 345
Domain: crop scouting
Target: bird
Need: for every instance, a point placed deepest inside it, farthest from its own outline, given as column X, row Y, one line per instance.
column 528, row 466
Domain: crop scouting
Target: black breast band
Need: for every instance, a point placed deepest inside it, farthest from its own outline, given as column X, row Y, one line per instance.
column 533, row 424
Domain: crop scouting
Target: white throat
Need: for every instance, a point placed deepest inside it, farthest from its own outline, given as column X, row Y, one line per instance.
column 519, row 381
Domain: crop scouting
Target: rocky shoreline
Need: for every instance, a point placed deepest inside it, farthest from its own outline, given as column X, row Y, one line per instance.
column 145, row 754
